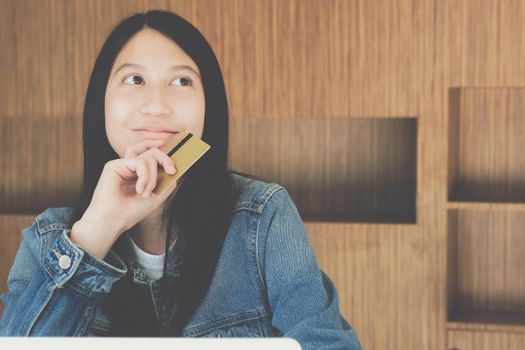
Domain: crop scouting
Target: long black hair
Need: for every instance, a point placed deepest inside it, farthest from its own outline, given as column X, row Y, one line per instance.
column 202, row 208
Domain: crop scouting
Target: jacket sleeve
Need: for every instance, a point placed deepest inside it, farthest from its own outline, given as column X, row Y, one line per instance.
column 54, row 285
column 303, row 299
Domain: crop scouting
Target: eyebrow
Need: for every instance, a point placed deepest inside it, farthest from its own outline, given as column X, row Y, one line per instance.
column 177, row 67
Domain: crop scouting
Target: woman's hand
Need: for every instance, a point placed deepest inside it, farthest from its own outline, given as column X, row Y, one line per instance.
column 123, row 196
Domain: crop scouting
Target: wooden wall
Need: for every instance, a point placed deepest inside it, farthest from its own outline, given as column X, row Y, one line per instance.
column 397, row 127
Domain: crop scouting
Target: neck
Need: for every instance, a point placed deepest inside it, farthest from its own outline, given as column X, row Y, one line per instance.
column 148, row 234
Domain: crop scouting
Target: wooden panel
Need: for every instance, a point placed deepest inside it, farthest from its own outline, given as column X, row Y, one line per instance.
column 300, row 59
column 39, row 63
column 335, row 169
column 335, row 62
column 376, row 263
column 465, row 340
column 10, row 236
column 484, row 42
column 280, row 59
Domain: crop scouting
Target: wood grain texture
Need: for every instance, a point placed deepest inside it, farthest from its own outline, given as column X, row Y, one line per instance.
column 484, row 42
column 10, row 236
column 361, row 257
column 295, row 60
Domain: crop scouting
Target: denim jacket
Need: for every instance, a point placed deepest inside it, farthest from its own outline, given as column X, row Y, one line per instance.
column 267, row 282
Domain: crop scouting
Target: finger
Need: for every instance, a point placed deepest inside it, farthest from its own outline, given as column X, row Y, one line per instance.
column 161, row 158
column 152, row 173
column 142, row 173
column 125, row 169
column 135, row 150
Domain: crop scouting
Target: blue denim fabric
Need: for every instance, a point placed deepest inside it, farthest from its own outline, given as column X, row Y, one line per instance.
column 267, row 282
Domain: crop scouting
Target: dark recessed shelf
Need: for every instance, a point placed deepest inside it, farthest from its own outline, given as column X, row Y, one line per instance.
column 42, row 164
column 486, row 279
column 486, row 143
column 487, row 320
column 335, row 169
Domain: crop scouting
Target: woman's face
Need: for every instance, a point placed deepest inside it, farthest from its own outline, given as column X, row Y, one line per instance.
column 154, row 85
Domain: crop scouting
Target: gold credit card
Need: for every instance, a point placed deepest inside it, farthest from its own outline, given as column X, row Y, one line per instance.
column 184, row 151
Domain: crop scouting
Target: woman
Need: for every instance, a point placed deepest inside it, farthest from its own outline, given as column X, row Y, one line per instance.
column 238, row 261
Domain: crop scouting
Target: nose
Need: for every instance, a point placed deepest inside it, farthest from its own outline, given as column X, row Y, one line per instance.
column 156, row 104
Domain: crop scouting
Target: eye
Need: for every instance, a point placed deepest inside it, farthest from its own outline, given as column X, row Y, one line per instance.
column 133, row 80
column 183, row 81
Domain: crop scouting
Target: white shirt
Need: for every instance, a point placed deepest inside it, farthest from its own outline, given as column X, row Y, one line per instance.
column 151, row 263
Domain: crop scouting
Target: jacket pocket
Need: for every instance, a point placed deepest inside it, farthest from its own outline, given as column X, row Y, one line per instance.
column 100, row 326
column 98, row 332
column 245, row 325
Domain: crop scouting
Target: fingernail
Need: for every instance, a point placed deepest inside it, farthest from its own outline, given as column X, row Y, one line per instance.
column 171, row 168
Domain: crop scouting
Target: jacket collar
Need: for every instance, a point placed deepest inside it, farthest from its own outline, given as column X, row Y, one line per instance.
column 123, row 248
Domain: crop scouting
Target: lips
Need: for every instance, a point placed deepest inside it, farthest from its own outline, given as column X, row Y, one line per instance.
column 155, row 135
column 154, row 128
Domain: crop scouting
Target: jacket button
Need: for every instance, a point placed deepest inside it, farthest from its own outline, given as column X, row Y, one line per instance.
column 64, row 262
